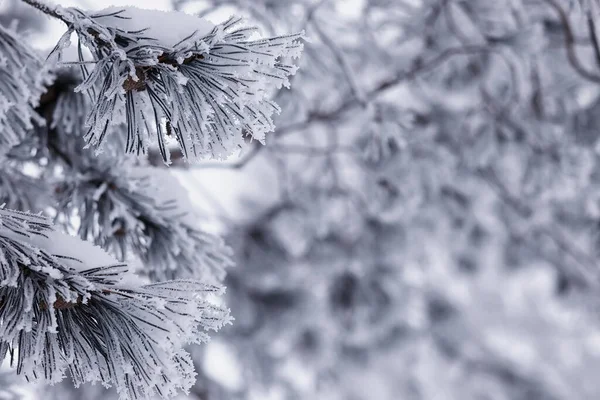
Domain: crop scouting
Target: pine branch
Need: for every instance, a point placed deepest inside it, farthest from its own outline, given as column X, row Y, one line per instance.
column 20, row 191
column 209, row 87
column 142, row 211
column 112, row 201
column 101, row 326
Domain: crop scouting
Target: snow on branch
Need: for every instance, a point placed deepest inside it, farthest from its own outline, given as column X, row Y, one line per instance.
column 66, row 305
column 22, row 80
column 173, row 75
column 143, row 211
column 127, row 209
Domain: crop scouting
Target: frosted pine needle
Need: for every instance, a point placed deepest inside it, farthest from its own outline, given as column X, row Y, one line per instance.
column 202, row 84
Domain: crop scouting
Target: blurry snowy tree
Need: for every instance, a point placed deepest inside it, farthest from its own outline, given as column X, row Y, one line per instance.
column 435, row 226
column 119, row 303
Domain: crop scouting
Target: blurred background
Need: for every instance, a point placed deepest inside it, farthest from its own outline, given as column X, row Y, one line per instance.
column 423, row 224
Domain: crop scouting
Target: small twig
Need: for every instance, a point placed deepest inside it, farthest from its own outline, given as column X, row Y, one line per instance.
column 343, row 62
column 583, row 262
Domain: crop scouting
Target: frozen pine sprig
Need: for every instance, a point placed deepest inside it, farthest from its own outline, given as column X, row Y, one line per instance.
column 22, row 79
column 67, row 306
column 176, row 75
column 142, row 211
column 177, row 244
column 127, row 209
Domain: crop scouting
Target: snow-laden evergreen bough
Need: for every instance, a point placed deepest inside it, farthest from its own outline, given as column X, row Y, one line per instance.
column 143, row 211
column 127, row 208
column 175, row 75
column 66, row 305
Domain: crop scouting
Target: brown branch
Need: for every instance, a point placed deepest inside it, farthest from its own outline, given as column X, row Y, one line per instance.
column 61, row 304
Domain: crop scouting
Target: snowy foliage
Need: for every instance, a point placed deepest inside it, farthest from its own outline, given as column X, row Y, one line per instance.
column 68, row 305
column 143, row 211
column 96, row 308
column 203, row 85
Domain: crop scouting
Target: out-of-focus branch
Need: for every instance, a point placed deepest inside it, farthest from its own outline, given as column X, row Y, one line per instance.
column 453, row 26
column 583, row 262
column 342, row 60
column 570, row 44
column 310, row 150
column 419, row 67
column 492, row 366
column 594, row 39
